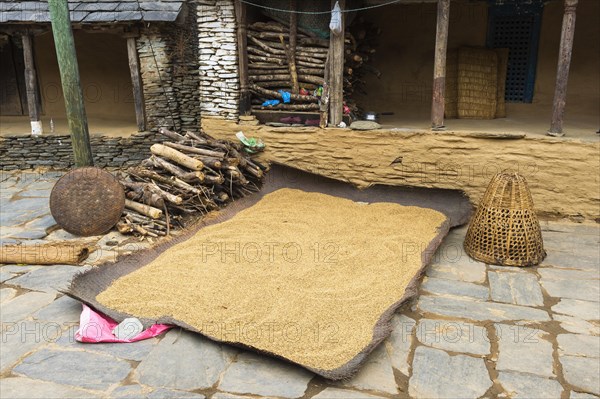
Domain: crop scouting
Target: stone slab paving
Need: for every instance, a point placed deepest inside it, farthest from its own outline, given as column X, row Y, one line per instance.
column 51, row 279
column 376, row 374
column 400, row 341
column 524, row 349
column 94, row 371
column 333, row 393
column 27, row 388
column 6, row 294
column 523, row 385
column 516, row 288
column 184, row 361
column 255, row 375
column 457, row 288
column 22, row 306
column 454, row 336
column 475, row 330
column 436, row 374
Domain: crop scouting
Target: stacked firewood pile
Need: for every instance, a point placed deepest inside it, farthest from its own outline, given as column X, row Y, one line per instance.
column 281, row 59
column 188, row 174
column 278, row 62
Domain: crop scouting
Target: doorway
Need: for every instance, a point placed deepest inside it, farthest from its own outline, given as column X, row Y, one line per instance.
column 13, row 97
column 516, row 25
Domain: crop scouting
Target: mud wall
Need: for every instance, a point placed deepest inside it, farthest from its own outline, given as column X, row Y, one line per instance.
column 406, row 52
column 560, row 172
column 168, row 55
column 104, row 74
column 583, row 94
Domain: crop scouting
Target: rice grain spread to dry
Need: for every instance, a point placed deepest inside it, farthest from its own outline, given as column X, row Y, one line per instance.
column 305, row 276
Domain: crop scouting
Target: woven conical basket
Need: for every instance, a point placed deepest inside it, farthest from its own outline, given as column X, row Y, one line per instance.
column 505, row 230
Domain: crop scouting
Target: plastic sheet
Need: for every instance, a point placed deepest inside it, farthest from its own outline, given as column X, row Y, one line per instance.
column 95, row 327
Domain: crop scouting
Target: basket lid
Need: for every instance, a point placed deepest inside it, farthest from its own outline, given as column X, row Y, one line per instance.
column 87, row 201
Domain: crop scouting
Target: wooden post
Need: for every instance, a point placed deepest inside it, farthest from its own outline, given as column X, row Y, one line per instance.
column 242, row 45
column 324, row 102
column 31, row 84
column 292, row 48
column 439, row 68
column 562, row 73
column 136, row 82
column 336, row 71
column 69, row 77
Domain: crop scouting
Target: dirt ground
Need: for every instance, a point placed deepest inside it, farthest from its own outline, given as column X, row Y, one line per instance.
column 19, row 125
column 528, row 118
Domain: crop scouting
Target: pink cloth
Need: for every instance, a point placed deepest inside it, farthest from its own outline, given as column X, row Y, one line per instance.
column 95, row 327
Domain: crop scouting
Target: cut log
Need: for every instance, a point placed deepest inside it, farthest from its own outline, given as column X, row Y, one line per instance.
column 160, row 163
column 174, row 199
column 280, row 70
column 176, row 156
column 124, row 228
column 264, row 65
column 193, row 177
column 196, row 138
column 144, row 209
column 214, row 179
column 271, row 60
column 277, row 84
column 296, row 107
column 270, row 71
column 275, row 94
column 194, row 150
column 172, row 135
column 304, row 78
column 254, row 171
column 210, row 161
column 268, row 27
column 266, row 47
column 313, row 41
column 174, row 182
column 63, row 253
column 300, row 62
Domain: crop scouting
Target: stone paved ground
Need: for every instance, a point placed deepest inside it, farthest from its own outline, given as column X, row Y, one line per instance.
column 475, row 331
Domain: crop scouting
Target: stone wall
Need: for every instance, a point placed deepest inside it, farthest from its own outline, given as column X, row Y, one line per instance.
column 218, row 59
column 168, row 57
column 27, row 152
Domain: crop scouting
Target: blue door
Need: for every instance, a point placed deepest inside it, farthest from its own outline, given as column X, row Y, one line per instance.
column 515, row 24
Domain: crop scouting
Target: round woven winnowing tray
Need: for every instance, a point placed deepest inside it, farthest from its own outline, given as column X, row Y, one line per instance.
column 87, row 201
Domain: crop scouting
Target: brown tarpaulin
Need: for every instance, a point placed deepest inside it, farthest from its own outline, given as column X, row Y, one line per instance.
column 85, row 287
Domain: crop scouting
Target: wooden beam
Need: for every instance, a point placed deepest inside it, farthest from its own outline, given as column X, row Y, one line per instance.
column 439, row 67
column 562, row 73
column 31, row 84
column 136, row 82
column 242, row 46
column 69, row 77
column 336, row 71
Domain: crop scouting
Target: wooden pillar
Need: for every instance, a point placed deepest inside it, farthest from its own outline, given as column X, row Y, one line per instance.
column 242, row 46
column 439, row 68
column 336, row 71
column 31, row 84
column 562, row 74
column 292, row 48
column 69, row 77
column 136, row 82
